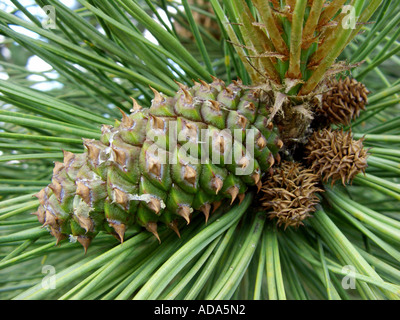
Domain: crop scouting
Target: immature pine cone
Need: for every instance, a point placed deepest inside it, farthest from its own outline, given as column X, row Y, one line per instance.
column 335, row 155
column 291, row 193
column 344, row 101
column 154, row 168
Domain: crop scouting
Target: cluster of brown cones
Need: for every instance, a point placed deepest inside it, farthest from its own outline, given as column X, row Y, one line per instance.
column 291, row 190
column 289, row 193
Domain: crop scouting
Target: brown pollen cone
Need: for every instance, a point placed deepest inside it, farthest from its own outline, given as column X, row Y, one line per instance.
column 291, row 193
column 336, row 155
column 344, row 101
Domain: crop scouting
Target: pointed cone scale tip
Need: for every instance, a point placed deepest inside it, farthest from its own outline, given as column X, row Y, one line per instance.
column 204, row 84
column 251, row 106
column 50, row 220
column 215, row 105
column 56, row 188
column 233, row 191
column 120, row 197
column 135, row 105
column 59, row 237
column 128, row 122
column 174, row 226
column 217, row 184
column 242, row 121
column 259, row 186
column 215, row 79
column 244, row 162
column 216, row 205
column 181, row 85
column 40, row 215
column 271, row 160
column 158, row 122
column 221, row 144
column 85, row 242
column 86, row 223
column 120, row 229
column 185, row 91
column 229, row 91
column 120, row 156
column 188, row 96
column 157, row 96
column 278, row 158
column 93, row 150
column 152, row 227
column 256, row 178
column 83, row 191
column 56, row 234
column 261, row 142
column 36, row 213
column 68, row 156
column 279, row 143
column 206, row 208
column 154, row 166
column 184, row 212
column 41, row 196
column 241, row 197
column 236, row 83
column 122, row 112
column 190, row 175
column 155, row 205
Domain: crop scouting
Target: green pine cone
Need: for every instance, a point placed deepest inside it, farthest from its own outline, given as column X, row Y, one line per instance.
column 206, row 145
